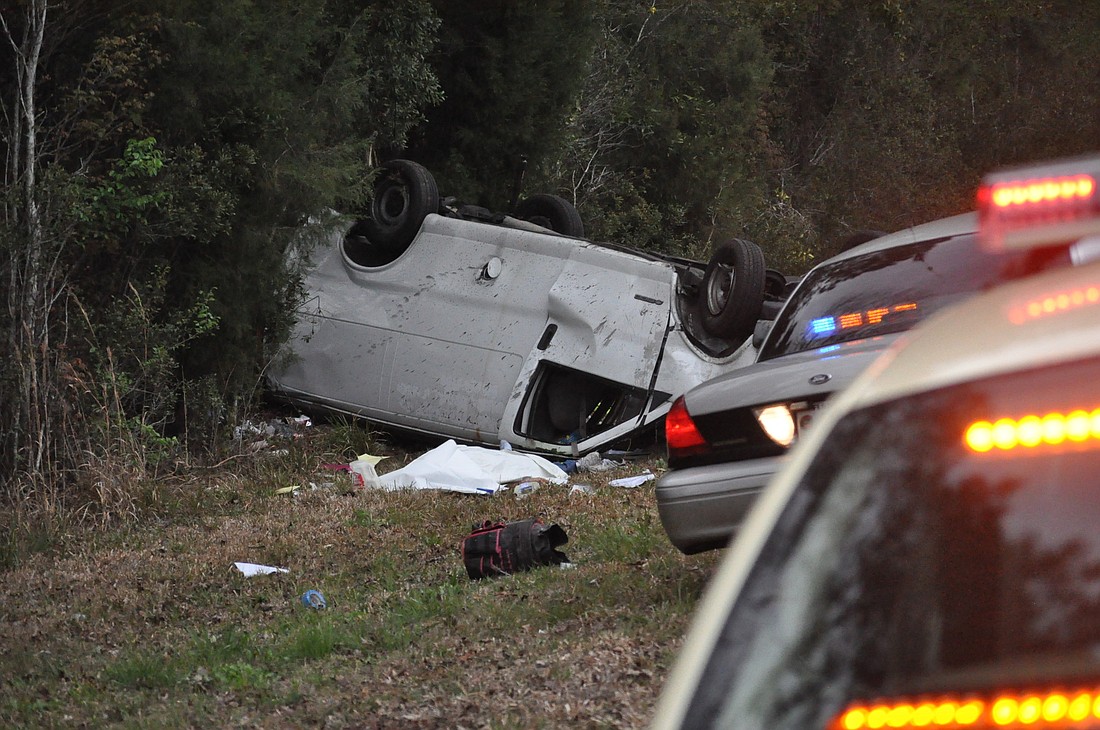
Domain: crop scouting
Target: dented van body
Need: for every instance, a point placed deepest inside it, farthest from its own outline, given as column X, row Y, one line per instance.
column 507, row 330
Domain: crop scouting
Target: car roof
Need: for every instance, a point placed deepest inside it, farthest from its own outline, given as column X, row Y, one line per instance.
column 955, row 225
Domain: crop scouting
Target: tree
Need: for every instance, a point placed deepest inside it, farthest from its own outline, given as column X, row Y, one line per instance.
column 164, row 156
column 285, row 102
column 886, row 115
column 665, row 141
column 510, row 72
column 51, row 131
column 29, row 262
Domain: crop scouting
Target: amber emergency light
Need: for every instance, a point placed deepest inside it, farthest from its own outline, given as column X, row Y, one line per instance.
column 1040, row 204
column 1042, row 710
column 1055, row 303
column 1031, row 431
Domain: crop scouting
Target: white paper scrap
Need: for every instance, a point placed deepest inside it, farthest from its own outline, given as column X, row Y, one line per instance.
column 631, row 482
column 251, row 569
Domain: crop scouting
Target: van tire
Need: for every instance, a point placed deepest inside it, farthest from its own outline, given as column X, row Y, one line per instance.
column 404, row 194
column 732, row 292
column 553, row 212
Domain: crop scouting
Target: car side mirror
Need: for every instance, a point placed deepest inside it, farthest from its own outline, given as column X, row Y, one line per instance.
column 1085, row 251
column 760, row 331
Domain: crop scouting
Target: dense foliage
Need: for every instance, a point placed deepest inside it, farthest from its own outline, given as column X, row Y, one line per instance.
column 159, row 157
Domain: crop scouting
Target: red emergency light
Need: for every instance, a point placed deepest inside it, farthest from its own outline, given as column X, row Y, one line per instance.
column 1040, row 205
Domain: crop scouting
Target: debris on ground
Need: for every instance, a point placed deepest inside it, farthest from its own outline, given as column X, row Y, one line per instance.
column 632, row 482
column 313, row 599
column 364, row 473
column 524, row 488
column 259, row 435
column 494, row 549
column 595, row 462
column 252, row 569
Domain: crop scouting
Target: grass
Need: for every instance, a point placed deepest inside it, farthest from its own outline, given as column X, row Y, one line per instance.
column 148, row 624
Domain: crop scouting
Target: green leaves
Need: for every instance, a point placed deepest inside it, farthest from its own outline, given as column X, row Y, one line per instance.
column 667, row 120
column 126, row 196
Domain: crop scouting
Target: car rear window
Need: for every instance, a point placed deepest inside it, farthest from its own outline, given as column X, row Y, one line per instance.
column 891, row 290
column 907, row 565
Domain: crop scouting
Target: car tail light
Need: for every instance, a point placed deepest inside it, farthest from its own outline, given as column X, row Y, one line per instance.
column 1051, row 429
column 1041, row 204
column 1057, row 708
column 681, row 433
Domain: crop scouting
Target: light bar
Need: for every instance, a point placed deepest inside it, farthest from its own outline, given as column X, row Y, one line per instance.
column 1044, row 709
column 823, row 326
column 1033, row 431
column 1054, row 303
column 1050, row 191
column 1039, row 205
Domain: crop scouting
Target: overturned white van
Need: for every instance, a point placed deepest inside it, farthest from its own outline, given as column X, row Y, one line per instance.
column 453, row 321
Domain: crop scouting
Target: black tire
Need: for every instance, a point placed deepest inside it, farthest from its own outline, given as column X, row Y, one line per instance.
column 404, row 194
column 733, row 290
column 775, row 285
column 553, row 212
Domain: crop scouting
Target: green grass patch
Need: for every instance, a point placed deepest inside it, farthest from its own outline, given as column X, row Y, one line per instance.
column 407, row 640
column 240, row 676
column 145, row 670
column 318, row 639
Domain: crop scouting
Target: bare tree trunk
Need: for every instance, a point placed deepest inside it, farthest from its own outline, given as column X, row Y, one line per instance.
column 29, row 265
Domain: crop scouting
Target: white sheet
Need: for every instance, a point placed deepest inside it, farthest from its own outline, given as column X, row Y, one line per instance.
column 471, row 470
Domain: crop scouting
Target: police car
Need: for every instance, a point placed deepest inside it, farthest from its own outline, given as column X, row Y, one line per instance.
column 930, row 556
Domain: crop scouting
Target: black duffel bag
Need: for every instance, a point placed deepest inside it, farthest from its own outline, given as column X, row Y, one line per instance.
column 504, row 548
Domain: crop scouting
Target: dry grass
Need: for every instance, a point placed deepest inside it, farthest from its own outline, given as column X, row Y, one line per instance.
column 151, row 626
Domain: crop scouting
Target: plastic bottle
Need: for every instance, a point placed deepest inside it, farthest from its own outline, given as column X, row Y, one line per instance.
column 313, row 599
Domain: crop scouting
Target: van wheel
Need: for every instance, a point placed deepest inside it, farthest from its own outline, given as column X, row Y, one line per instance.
column 553, row 212
column 733, row 290
column 776, row 285
column 404, row 194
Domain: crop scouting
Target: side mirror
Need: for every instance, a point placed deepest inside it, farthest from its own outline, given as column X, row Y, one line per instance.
column 760, row 331
column 1085, row 251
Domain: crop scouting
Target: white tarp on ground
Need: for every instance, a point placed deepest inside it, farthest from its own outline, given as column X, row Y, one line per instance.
column 470, row 469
